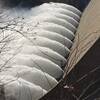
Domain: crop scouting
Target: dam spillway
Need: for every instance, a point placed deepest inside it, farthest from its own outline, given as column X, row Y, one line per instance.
column 35, row 45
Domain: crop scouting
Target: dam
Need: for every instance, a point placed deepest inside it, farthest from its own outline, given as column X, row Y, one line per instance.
column 36, row 43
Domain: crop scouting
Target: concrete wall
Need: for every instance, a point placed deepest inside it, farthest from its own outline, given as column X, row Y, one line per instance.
column 87, row 33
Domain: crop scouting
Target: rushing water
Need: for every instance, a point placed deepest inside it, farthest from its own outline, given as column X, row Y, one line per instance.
column 37, row 40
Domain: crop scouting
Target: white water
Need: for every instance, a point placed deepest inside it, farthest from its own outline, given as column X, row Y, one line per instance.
column 35, row 43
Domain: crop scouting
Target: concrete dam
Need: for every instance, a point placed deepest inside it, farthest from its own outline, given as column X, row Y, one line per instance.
column 36, row 42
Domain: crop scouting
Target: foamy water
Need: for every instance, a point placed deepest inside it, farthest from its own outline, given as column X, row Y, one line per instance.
column 35, row 45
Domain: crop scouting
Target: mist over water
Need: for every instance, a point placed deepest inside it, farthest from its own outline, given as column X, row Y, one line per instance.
column 10, row 9
column 20, row 3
